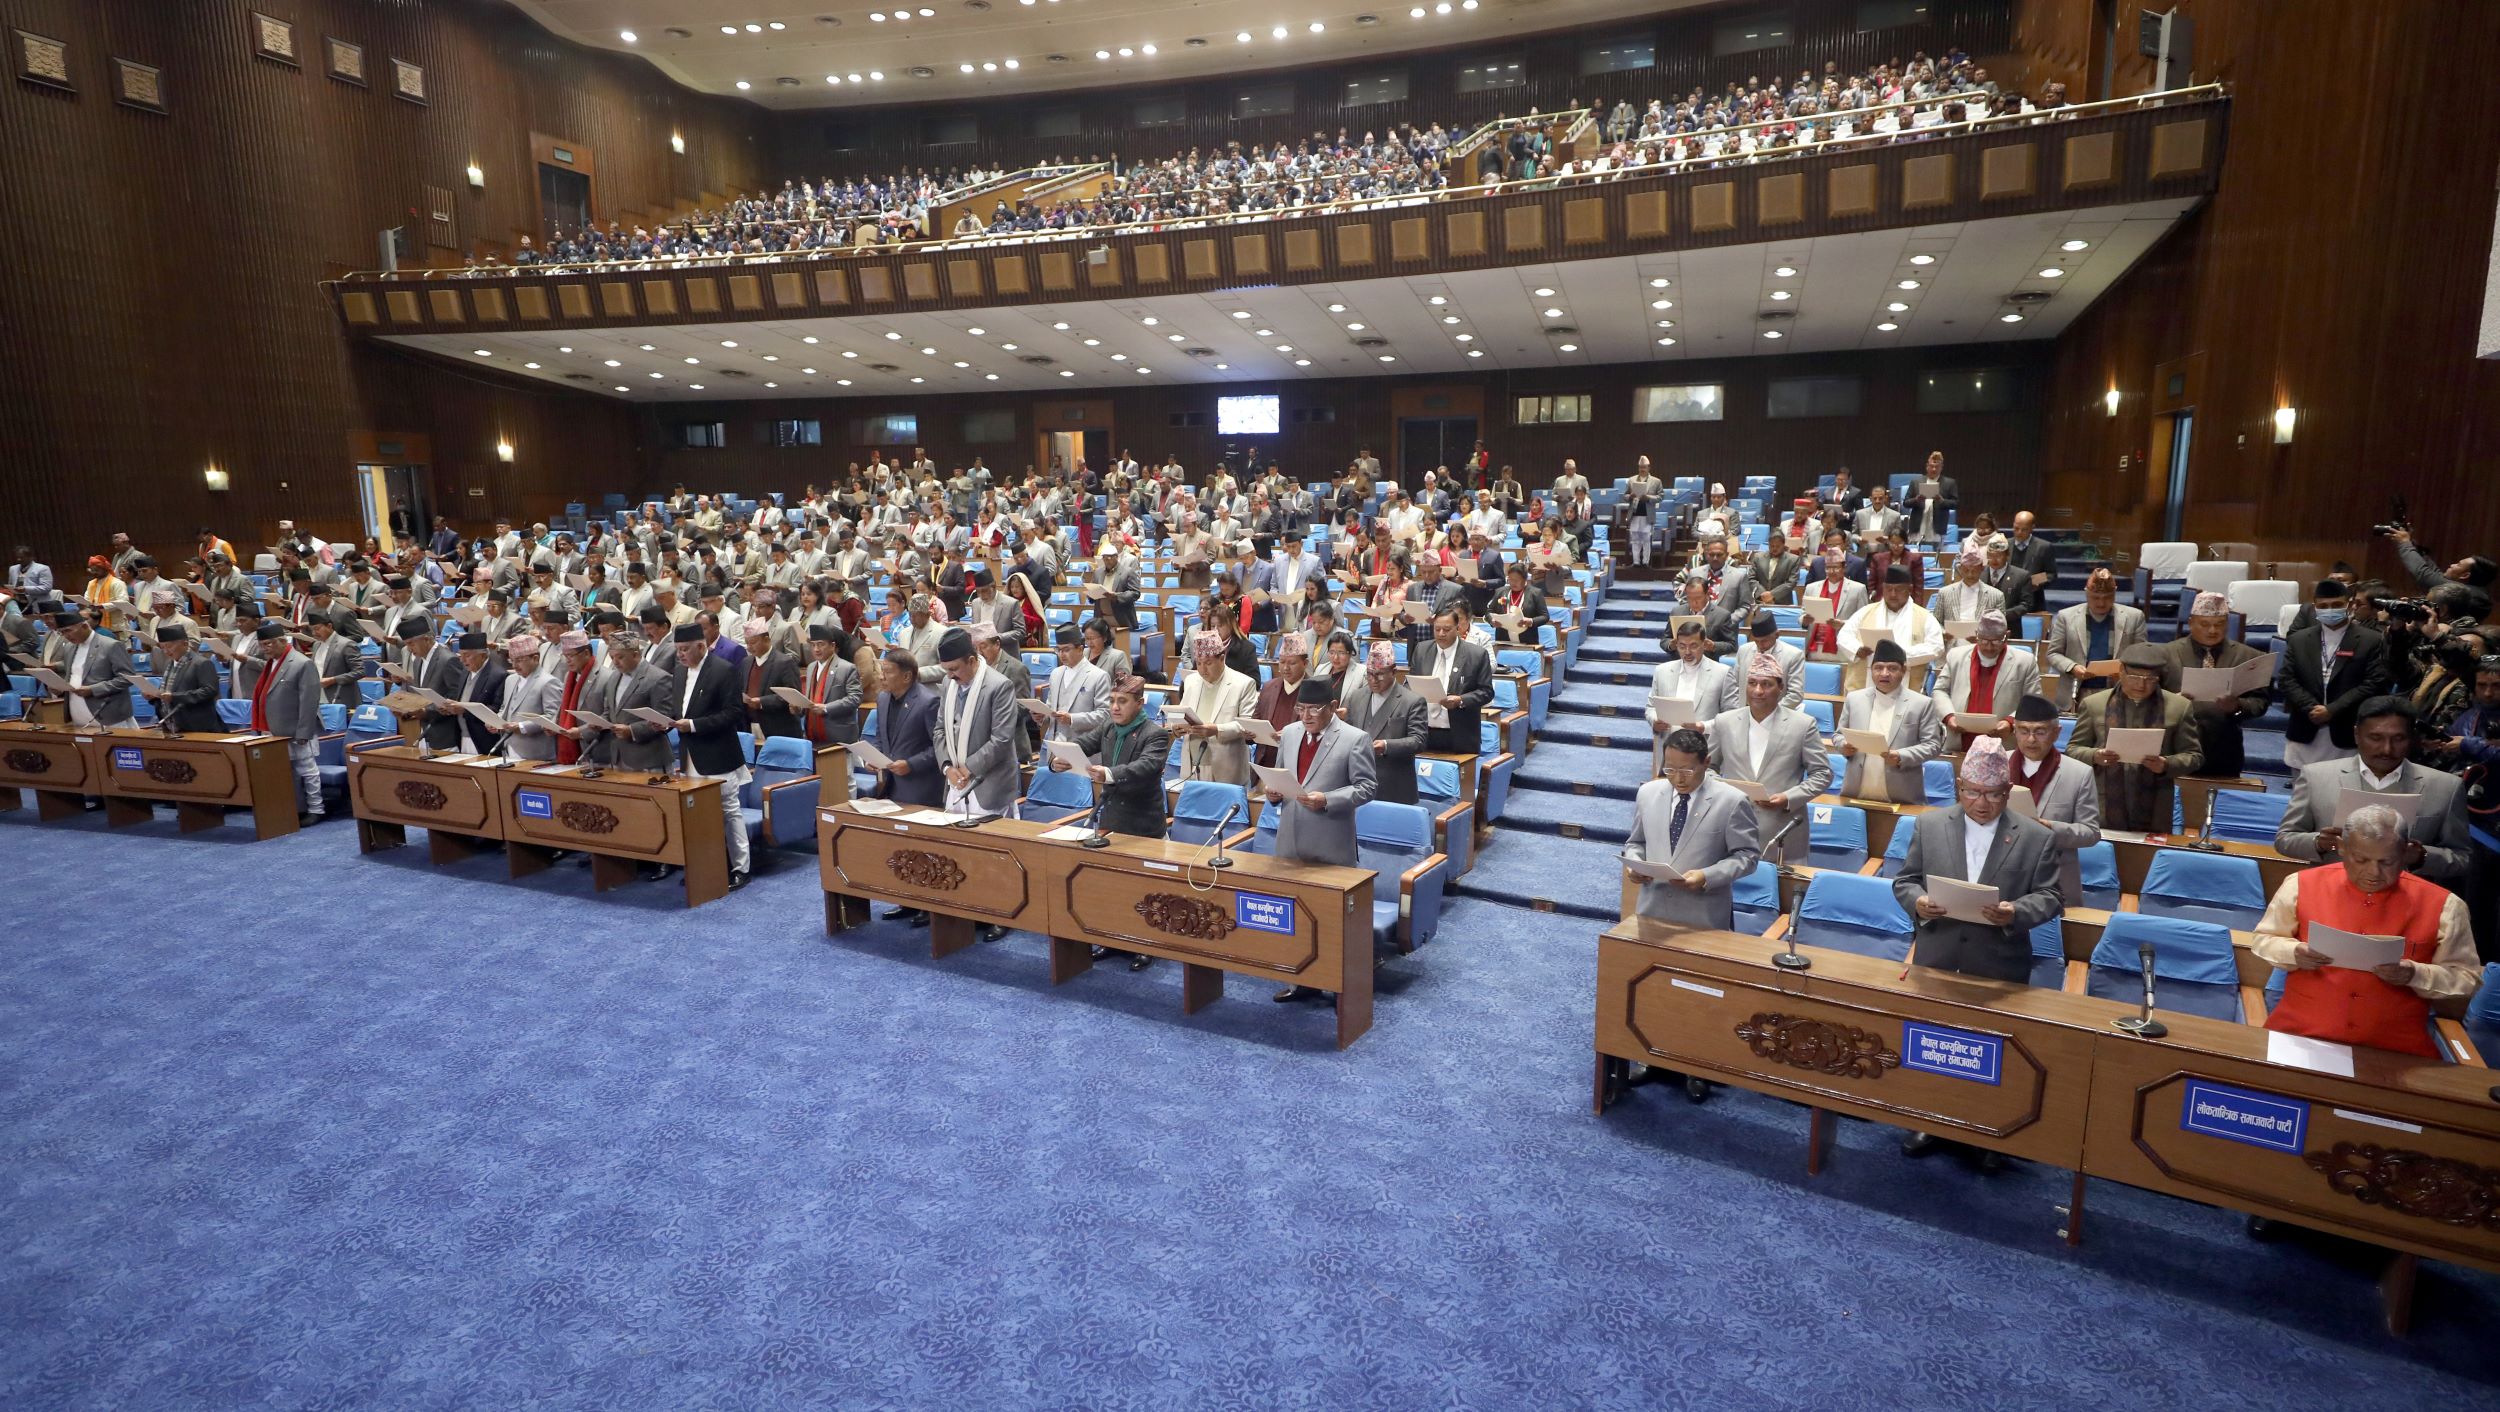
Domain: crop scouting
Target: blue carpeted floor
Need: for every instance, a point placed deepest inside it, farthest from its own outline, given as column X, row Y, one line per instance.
column 290, row 1128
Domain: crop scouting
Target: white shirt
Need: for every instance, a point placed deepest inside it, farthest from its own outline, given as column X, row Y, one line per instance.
column 1977, row 838
column 2378, row 782
column 2330, row 642
column 1880, row 707
column 1684, row 679
column 79, row 710
column 1757, row 741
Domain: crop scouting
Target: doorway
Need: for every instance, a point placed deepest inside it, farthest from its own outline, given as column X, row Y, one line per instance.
column 1064, row 451
column 563, row 199
column 1428, row 443
column 396, row 504
column 2173, row 435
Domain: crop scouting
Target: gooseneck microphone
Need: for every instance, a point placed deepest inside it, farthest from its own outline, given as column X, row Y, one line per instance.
column 1791, row 959
column 2142, row 1024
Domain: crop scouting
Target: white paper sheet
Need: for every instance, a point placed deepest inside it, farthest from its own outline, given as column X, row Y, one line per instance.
column 1281, row 781
column 1642, row 867
column 1257, row 730
column 1078, row 761
column 870, row 755
column 1873, row 743
column 2134, row 743
column 2408, row 807
column 1674, row 710
column 877, row 807
column 2301, row 1052
column 1071, row 833
column 2353, row 950
column 1962, row 901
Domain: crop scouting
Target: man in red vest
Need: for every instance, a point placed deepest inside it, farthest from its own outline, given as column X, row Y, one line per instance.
column 2369, row 894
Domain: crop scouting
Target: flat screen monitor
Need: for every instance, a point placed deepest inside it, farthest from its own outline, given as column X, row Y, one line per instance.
column 1247, row 416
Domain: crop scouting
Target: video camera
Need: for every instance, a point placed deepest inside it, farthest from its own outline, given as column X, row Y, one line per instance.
column 2399, row 519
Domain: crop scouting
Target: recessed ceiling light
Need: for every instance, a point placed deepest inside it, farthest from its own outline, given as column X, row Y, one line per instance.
column 1897, row 307
column 1150, row 321
column 1907, row 284
column 1666, row 323
column 1145, row 49
column 1415, row 14
column 1388, row 357
column 694, row 360
column 564, row 350
column 1176, row 338
column 1785, row 271
column 928, row 352
column 614, row 364
column 1336, row 308
column 2052, row 272
column 2009, row 318
column 1277, row 33
column 891, row 335
column 1242, row 38
column 976, row 332
column 874, row 76
column 1466, row 338
column 967, row 68
column 775, row 24
column 1013, row 64
column 992, row 377
column 1102, row 53
column 733, row 29
column 1553, row 313
column 755, row 29
column 772, row 384
column 529, row 365
column 1062, row 327
column 1568, row 347
column 1093, row 343
column 1141, row 372
column 847, row 353
column 626, row 35
column 1449, row 318
column 623, row 388
column 772, row 357
column 1264, row 332
column 1067, row 372
column 1781, row 296
column 1008, row 347
column 2072, row 246
column 1658, row 283
column 1119, row 357
column 1223, row 367
column 1666, row 343
column 1241, row 313
column 1772, row 333
column 1357, row 328
column 842, row 382
column 989, row 67
column 1126, row 52
column 1545, row 294
column 648, row 348
column 1475, row 352
column 811, row 372
column 694, row 387
column 484, row 353
column 656, row 377
column 1317, row 27
column 810, row 338
column 743, row 85
column 919, row 379
column 1284, row 348
column 1437, row 301
column 729, row 343
column 1302, row 362
column 1886, row 326
column 961, row 364
column 1922, row 260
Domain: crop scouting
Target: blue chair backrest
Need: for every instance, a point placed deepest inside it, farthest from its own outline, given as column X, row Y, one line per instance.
column 1853, row 913
column 1061, row 789
column 2099, row 865
column 1506, row 693
column 1520, row 660
column 787, row 752
column 2211, row 878
column 1821, row 711
column 1839, row 826
column 2247, row 815
column 2183, row 950
column 371, row 720
column 1938, row 776
column 2048, row 940
column 1402, row 828
column 1823, row 678
column 1759, row 889
column 333, row 716
column 1898, row 849
column 1436, row 779
column 235, row 713
column 1204, row 802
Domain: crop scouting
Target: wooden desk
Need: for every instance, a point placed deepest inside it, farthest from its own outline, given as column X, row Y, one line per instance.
column 50, row 763
column 2405, row 1154
column 621, row 819
column 201, row 775
column 1140, row 895
column 2136, row 852
column 391, row 789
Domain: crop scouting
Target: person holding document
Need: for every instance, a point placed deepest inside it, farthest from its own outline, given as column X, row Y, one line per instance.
column 1982, row 681
column 1772, row 753
column 630, row 681
column 1904, row 724
column 1978, row 876
column 1128, row 752
column 976, row 737
column 1455, row 678
column 1329, row 766
column 1692, row 838
column 2066, row 801
column 286, row 702
column 830, row 685
column 2437, row 844
column 188, row 700
column 1387, row 710
column 1214, row 697
column 2138, row 739
column 2366, row 946
column 1899, row 620
column 710, row 720
column 2207, row 649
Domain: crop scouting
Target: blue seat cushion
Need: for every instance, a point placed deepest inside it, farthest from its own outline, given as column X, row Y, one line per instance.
column 1385, row 923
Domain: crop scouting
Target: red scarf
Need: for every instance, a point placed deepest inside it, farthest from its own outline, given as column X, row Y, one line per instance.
column 2038, row 784
column 260, row 691
column 1826, row 634
column 1983, row 691
column 821, row 673
column 569, row 750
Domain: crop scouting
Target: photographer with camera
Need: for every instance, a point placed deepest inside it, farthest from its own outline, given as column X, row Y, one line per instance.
column 2474, row 570
column 2468, row 745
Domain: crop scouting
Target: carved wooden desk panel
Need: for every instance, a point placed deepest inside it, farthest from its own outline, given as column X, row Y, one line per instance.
column 2404, row 1154
column 392, row 789
column 621, row 819
column 1941, row 1053
column 52, row 763
column 202, row 775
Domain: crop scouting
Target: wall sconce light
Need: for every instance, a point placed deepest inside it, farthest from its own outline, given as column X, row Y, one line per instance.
column 216, row 479
column 477, row 176
column 677, row 143
column 2110, row 401
column 503, row 452
column 2283, row 419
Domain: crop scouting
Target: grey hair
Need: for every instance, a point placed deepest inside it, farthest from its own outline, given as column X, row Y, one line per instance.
column 2375, row 823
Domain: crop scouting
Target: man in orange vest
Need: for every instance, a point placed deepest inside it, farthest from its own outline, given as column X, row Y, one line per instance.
column 2368, row 893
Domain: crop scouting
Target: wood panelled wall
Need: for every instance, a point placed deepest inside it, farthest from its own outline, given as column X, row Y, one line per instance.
column 2339, row 271
column 842, row 142
column 1994, row 455
column 159, row 300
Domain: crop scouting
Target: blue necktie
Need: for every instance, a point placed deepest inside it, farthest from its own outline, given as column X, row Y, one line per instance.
column 1675, row 826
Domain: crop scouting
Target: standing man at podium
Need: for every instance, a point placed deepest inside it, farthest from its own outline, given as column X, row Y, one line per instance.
column 976, row 736
column 96, row 666
column 1703, row 828
column 189, row 702
column 709, row 723
column 286, row 701
column 1332, row 764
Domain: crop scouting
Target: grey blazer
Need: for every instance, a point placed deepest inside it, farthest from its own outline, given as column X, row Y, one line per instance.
column 1080, row 691
column 989, row 751
column 1917, row 736
column 611, row 695
column 1721, row 838
column 1793, row 762
column 1397, row 720
column 1792, row 660
column 2070, row 809
column 294, row 699
column 2069, row 643
column 107, row 663
column 189, row 702
column 2021, row 863
column 2438, row 823
column 1341, row 770
column 1852, row 596
column 339, row 658
column 540, row 692
column 2018, row 676
column 842, row 698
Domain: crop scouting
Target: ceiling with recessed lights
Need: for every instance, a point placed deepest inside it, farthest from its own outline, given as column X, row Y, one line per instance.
column 2001, row 280
column 861, row 54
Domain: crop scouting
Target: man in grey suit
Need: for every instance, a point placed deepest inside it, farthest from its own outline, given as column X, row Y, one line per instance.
column 2085, row 641
column 988, row 605
column 1385, row 709
column 1463, row 675
column 2437, row 845
column 1717, row 629
column 1332, row 762
column 1903, row 717
column 2066, row 801
column 631, row 680
column 1771, row 575
column 1763, row 640
column 1979, row 840
column 1076, row 696
column 286, row 702
column 1294, row 570
column 336, row 660
column 992, row 650
column 976, row 726
column 1691, row 675
column 529, row 691
column 97, row 667
column 188, row 701
column 1700, row 827
column 1774, row 747
column 831, row 685
column 2010, row 675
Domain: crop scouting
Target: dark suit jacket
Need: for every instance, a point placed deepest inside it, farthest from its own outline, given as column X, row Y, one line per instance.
column 1471, row 681
column 717, row 716
column 446, row 678
column 906, row 729
column 1133, row 800
column 1399, row 722
column 190, row 699
column 487, row 692
column 2358, row 673
column 774, row 715
column 1948, row 495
